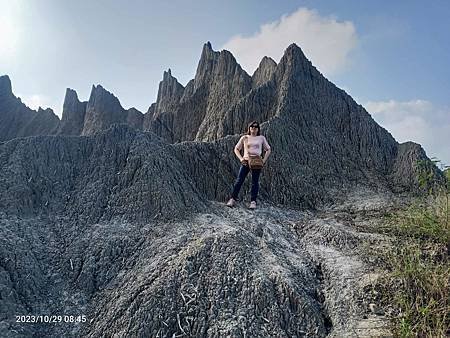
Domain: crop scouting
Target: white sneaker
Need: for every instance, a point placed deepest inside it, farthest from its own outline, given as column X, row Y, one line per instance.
column 252, row 205
column 231, row 203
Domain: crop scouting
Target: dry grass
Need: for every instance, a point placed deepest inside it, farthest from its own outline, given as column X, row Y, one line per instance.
column 417, row 285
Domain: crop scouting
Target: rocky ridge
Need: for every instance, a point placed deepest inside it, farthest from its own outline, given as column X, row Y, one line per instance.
column 124, row 223
column 17, row 120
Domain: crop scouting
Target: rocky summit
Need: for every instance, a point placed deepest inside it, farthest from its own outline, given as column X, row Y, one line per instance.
column 116, row 217
column 17, row 120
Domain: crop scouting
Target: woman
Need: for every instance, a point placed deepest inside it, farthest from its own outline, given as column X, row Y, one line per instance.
column 253, row 144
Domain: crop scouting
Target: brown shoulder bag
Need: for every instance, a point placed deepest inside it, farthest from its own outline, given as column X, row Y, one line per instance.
column 254, row 161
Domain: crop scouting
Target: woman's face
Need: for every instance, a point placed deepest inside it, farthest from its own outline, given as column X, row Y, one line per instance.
column 254, row 129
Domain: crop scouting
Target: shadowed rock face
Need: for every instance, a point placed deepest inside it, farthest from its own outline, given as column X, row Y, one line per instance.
column 17, row 120
column 72, row 120
column 102, row 110
column 169, row 93
column 135, row 118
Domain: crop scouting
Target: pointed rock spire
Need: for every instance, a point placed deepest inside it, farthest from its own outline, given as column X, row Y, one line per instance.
column 5, row 87
column 205, row 67
column 224, row 83
column 264, row 72
column 295, row 63
column 70, row 99
column 102, row 110
column 73, row 114
column 169, row 93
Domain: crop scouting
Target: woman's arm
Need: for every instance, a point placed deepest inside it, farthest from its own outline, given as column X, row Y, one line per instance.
column 266, row 148
column 266, row 155
column 238, row 154
column 238, row 147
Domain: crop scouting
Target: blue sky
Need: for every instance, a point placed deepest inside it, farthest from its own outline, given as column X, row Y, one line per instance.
column 393, row 57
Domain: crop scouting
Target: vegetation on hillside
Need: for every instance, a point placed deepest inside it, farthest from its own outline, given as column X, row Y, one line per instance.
column 417, row 285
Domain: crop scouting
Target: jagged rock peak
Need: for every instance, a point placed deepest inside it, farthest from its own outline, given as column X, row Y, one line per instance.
column 70, row 99
column 267, row 62
column 167, row 75
column 73, row 114
column 264, row 72
column 102, row 110
column 207, row 48
column 208, row 59
column 5, row 85
column 294, row 66
column 99, row 89
column 294, row 51
column 208, row 53
column 227, row 63
column 293, row 55
column 214, row 63
column 100, row 96
column 169, row 80
column 169, row 92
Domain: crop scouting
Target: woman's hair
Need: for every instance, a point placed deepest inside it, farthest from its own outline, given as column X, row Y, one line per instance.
column 252, row 124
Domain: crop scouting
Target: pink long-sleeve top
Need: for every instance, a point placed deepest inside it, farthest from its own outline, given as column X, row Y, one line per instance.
column 254, row 146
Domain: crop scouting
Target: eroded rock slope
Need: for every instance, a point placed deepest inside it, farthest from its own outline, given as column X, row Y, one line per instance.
column 118, row 215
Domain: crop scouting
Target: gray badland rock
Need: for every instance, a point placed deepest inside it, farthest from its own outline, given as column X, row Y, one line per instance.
column 72, row 120
column 189, row 113
column 169, row 93
column 407, row 169
column 126, row 227
column 17, row 120
column 102, row 110
column 225, row 82
column 264, row 72
column 135, row 119
column 117, row 173
column 162, row 117
column 218, row 273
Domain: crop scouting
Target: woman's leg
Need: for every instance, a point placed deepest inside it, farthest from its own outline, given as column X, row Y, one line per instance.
column 255, row 184
column 243, row 171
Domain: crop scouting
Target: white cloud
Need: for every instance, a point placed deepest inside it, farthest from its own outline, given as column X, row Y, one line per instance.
column 417, row 120
column 416, row 106
column 324, row 40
